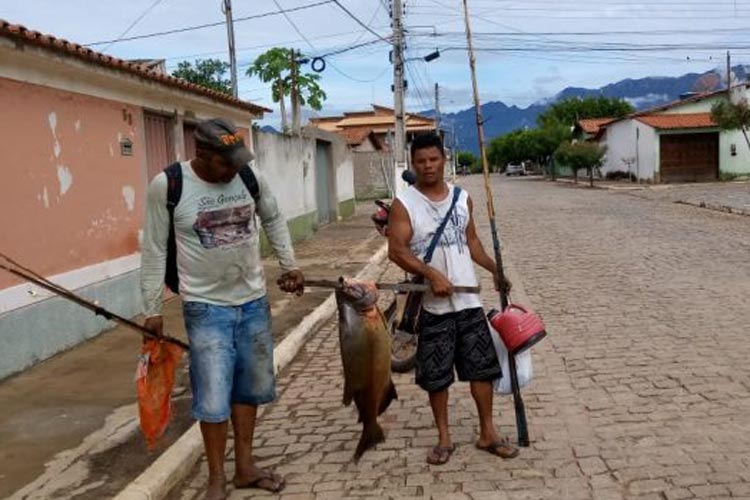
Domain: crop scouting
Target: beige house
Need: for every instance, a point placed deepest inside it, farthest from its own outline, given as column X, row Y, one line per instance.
column 369, row 135
column 369, row 130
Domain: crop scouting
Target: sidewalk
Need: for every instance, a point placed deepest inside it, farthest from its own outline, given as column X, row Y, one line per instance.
column 69, row 425
column 730, row 197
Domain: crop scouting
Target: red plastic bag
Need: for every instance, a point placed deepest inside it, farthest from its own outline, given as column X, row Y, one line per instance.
column 154, row 378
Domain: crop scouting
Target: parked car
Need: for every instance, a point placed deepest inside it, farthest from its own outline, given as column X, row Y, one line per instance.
column 515, row 169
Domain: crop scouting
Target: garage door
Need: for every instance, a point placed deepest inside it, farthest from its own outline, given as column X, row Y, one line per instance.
column 689, row 157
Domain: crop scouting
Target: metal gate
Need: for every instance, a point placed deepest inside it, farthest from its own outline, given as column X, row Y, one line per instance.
column 323, row 167
column 689, row 157
column 159, row 145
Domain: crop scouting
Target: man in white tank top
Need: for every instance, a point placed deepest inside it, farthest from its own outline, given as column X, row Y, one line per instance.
column 452, row 327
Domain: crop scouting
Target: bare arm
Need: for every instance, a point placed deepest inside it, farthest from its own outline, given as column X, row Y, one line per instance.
column 399, row 235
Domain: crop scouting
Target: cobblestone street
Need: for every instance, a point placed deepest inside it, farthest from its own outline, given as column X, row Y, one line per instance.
column 641, row 390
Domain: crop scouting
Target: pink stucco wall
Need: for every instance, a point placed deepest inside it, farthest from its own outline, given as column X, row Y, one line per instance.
column 68, row 198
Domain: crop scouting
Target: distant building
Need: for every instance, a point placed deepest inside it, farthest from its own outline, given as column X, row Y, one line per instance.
column 676, row 142
column 370, row 130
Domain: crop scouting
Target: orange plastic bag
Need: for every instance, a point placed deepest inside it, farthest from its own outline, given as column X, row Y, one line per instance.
column 154, row 379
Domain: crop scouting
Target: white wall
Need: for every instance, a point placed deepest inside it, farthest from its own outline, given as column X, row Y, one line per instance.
column 288, row 164
column 739, row 164
column 345, row 178
column 621, row 142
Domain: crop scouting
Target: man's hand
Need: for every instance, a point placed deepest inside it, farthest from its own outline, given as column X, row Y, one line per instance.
column 441, row 287
column 503, row 287
column 155, row 324
column 292, row 282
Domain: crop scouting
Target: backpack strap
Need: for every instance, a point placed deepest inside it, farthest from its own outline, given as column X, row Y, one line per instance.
column 174, row 192
column 439, row 232
column 174, row 186
column 251, row 182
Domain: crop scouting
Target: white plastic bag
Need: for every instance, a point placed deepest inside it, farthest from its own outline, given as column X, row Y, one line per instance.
column 524, row 369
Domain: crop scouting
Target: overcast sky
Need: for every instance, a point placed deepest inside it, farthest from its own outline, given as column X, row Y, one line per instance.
column 534, row 53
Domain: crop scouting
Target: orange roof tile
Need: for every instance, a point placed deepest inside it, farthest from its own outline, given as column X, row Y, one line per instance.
column 678, row 121
column 21, row 34
column 592, row 125
column 355, row 136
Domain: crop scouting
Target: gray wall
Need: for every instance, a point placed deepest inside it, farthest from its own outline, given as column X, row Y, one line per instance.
column 36, row 332
column 369, row 180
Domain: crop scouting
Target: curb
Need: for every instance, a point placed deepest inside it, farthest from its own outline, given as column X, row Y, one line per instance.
column 717, row 208
column 173, row 466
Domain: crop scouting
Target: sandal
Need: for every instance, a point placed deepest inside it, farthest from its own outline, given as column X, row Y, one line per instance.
column 266, row 480
column 500, row 448
column 440, row 455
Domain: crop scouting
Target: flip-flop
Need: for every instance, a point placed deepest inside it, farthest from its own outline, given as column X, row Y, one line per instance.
column 500, row 448
column 440, row 455
column 273, row 482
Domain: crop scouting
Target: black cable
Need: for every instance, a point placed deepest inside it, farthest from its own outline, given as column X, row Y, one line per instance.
column 210, row 25
column 359, row 21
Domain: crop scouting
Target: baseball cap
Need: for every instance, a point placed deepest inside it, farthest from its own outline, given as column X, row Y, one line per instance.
column 220, row 135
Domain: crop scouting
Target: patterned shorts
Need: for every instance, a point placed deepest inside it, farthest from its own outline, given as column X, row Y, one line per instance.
column 461, row 339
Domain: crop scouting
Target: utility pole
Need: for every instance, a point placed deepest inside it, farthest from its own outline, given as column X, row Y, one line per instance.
column 295, row 94
column 399, row 142
column 521, row 425
column 230, row 37
column 729, row 75
column 437, row 108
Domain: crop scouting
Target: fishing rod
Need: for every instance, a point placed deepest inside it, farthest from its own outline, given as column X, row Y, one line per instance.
column 396, row 287
column 521, row 424
column 27, row 274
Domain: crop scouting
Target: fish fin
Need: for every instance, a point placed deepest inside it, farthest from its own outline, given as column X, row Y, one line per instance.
column 360, row 403
column 347, row 394
column 371, row 435
column 390, row 395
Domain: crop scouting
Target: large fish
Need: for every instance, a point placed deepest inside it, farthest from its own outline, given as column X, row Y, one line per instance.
column 366, row 356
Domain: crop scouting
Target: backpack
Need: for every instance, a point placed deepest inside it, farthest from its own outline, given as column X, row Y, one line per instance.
column 174, row 192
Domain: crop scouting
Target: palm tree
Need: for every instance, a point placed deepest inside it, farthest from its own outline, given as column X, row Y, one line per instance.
column 275, row 66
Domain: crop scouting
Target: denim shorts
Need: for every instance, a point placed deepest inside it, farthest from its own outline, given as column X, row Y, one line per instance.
column 231, row 357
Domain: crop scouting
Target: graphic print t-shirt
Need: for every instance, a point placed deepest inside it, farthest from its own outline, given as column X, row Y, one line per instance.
column 217, row 236
column 452, row 257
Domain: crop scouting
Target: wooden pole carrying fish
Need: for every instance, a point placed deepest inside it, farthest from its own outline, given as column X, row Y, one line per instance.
column 366, row 355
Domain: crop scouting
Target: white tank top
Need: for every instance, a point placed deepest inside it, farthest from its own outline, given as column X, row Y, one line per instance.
column 452, row 256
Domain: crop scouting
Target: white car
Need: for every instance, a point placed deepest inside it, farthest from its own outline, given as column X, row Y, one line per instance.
column 515, row 169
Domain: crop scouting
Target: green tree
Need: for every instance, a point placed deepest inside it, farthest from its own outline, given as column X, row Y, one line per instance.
column 569, row 111
column 580, row 156
column 467, row 159
column 731, row 116
column 208, row 73
column 275, row 67
column 535, row 145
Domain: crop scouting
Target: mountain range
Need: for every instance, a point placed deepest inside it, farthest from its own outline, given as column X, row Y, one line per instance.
column 642, row 93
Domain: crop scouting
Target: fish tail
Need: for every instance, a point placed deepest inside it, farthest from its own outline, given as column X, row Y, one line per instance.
column 371, row 435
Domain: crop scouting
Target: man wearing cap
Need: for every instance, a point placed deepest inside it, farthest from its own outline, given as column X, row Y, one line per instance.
column 223, row 289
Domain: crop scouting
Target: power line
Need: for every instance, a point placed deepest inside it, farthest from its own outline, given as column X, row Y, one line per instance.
column 132, row 25
column 590, row 33
column 307, row 40
column 349, row 13
column 210, row 25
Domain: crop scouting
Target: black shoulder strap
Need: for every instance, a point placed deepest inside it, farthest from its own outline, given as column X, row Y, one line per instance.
column 439, row 232
column 251, row 182
column 174, row 186
column 174, row 191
